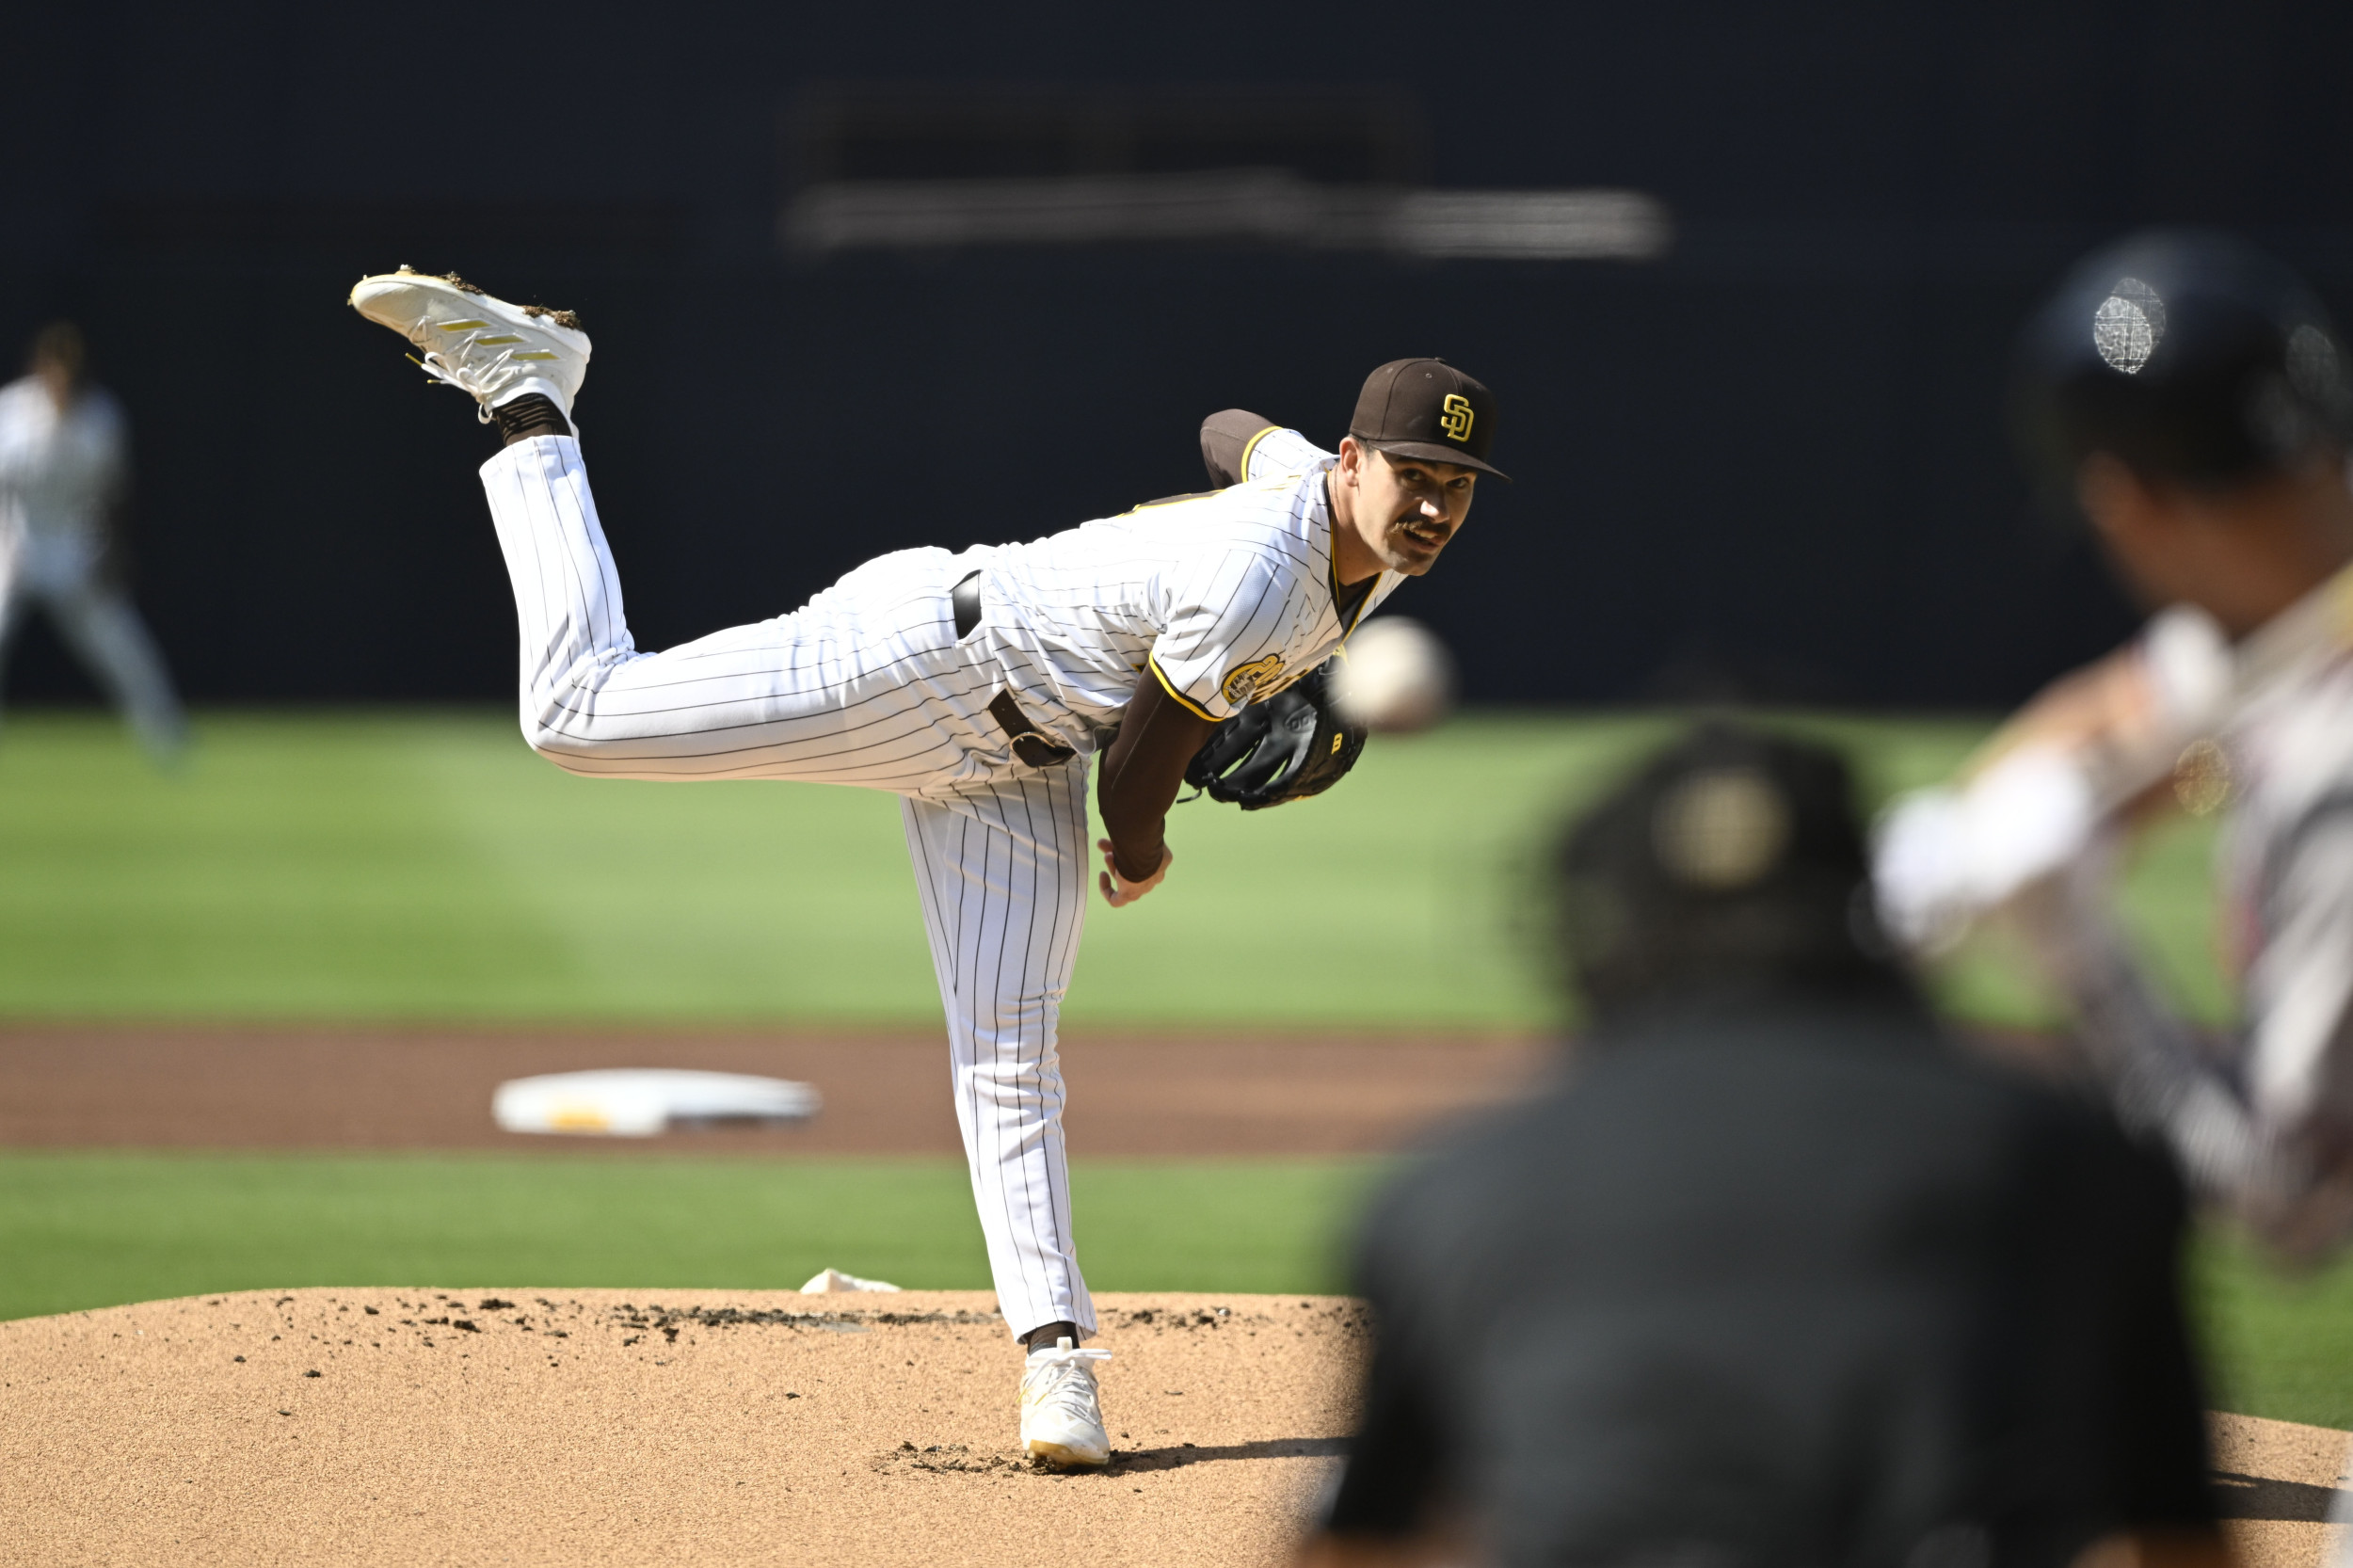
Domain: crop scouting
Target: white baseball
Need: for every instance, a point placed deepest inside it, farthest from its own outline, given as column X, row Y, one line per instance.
column 1396, row 676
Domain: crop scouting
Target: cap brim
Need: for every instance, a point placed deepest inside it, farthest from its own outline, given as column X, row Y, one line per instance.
column 1434, row 452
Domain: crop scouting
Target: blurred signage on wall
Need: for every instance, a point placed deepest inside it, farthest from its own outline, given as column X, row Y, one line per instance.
column 418, row 227
column 1316, row 168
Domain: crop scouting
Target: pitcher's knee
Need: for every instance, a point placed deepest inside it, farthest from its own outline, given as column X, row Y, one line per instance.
column 1027, row 1091
column 573, row 747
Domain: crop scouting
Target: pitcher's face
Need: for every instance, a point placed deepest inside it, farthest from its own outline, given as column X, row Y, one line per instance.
column 1407, row 508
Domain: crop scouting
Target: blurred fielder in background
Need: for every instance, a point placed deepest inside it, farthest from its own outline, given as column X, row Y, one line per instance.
column 2192, row 396
column 64, row 475
column 1775, row 1274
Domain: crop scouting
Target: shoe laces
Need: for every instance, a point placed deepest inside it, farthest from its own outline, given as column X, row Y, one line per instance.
column 447, row 364
column 1062, row 1380
column 480, row 385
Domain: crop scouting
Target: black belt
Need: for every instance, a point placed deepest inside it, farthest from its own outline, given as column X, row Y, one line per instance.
column 1028, row 742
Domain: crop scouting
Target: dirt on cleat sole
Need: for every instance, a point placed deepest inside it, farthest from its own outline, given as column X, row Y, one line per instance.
column 1054, row 1453
column 539, row 312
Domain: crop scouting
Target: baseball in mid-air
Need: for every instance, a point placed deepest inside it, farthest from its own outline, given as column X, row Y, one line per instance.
column 1396, row 676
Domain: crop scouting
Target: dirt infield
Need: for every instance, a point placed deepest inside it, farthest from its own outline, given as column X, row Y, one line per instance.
column 607, row 1427
column 2278, row 1481
column 180, row 1087
column 585, row 1428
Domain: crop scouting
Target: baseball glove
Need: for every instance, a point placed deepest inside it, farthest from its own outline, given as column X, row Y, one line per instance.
column 1287, row 747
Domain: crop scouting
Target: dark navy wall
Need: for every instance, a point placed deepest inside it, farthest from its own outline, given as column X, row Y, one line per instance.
column 1771, row 463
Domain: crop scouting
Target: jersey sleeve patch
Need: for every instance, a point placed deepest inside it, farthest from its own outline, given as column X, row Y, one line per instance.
column 1244, row 682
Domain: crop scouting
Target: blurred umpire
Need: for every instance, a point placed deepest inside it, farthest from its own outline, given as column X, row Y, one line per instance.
column 2191, row 395
column 1773, row 1275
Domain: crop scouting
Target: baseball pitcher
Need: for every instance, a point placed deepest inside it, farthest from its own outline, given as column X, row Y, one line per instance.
column 977, row 686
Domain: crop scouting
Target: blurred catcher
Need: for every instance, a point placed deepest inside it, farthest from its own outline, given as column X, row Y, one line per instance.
column 976, row 686
column 2192, row 396
column 64, row 471
column 1773, row 1275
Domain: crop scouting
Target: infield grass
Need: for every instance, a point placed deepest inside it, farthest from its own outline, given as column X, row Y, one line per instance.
column 425, row 866
column 80, row 1230
column 83, row 1230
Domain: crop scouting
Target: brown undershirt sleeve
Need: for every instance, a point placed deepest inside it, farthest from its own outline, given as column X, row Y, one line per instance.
column 1141, row 773
column 1225, row 438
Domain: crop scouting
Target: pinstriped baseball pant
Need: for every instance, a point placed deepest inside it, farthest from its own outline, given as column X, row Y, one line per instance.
column 864, row 685
column 1003, row 871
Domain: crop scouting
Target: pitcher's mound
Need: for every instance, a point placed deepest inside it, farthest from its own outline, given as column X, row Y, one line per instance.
column 593, row 1427
column 606, row 1427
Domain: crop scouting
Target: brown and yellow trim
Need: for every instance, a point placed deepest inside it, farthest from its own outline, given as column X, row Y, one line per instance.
column 1242, row 469
column 1170, row 687
column 1332, row 577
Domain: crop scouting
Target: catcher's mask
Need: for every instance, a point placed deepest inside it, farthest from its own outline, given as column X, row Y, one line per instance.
column 1730, row 857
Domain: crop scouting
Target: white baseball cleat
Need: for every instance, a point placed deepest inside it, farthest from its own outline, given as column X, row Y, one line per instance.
column 1061, row 1418
column 486, row 348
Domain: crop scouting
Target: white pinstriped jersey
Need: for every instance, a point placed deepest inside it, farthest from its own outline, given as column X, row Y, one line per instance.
column 1276, row 450
column 1229, row 596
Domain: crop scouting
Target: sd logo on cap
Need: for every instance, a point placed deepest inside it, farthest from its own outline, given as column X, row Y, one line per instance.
column 1427, row 408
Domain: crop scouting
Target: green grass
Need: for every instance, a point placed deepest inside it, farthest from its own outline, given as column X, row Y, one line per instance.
column 81, row 1230
column 2279, row 1345
column 427, row 866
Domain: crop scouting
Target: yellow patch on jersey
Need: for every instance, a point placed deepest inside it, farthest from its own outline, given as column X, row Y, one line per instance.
column 1244, row 682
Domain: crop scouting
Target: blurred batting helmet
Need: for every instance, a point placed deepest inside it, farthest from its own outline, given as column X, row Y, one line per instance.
column 2188, row 356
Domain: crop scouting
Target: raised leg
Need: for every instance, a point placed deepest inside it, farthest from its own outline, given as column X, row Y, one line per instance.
column 1003, row 871
column 863, row 685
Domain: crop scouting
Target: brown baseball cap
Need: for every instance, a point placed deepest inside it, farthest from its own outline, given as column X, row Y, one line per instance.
column 1427, row 408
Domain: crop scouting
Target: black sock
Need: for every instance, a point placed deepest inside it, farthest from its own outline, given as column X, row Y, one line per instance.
column 1042, row 1336
column 527, row 416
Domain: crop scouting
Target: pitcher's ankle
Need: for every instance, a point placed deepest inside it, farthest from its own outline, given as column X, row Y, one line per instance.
column 520, row 419
column 1042, row 1336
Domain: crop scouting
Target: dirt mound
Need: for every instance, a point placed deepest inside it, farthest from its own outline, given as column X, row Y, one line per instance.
column 605, row 1427
column 586, row 1427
